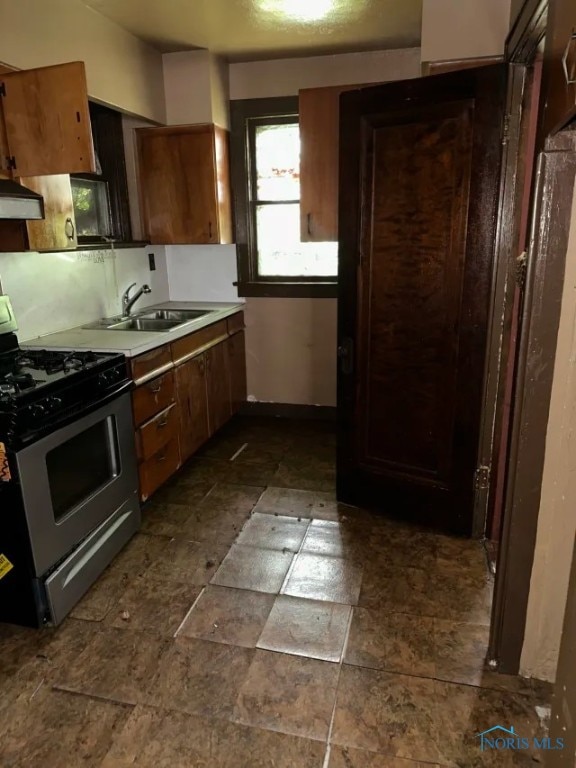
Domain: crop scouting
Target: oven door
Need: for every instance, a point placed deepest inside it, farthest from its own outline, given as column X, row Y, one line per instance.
column 75, row 478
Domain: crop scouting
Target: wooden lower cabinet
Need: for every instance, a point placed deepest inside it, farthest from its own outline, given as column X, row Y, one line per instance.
column 192, row 405
column 218, row 387
column 178, row 410
column 159, row 468
column 237, row 370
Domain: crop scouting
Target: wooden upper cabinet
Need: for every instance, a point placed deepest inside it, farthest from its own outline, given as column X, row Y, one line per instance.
column 559, row 72
column 185, row 184
column 319, row 110
column 47, row 121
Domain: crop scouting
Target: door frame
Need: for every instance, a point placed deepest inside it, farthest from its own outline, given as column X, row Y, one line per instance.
column 521, row 47
column 521, row 493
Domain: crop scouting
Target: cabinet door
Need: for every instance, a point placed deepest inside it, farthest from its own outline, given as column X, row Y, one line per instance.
column 319, row 110
column 57, row 230
column 218, row 386
column 237, row 367
column 192, row 405
column 47, row 120
column 178, row 184
column 559, row 72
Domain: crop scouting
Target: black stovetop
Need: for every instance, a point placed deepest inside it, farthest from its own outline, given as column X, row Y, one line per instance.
column 29, row 369
column 39, row 387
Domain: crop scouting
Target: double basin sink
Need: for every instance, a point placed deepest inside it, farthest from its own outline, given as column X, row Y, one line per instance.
column 151, row 320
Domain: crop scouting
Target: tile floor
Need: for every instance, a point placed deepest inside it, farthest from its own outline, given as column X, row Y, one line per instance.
column 254, row 622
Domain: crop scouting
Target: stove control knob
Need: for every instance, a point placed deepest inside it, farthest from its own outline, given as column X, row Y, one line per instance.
column 53, row 403
column 37, row 411
column 104, row 379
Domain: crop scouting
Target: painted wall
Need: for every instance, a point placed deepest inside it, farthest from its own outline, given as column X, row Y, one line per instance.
column 557, row 516
column 196, row 88
column 291, row 343
column 285, row 77
column 464, row 29
column 202, row 272
column 54, row 291
column 122, row 70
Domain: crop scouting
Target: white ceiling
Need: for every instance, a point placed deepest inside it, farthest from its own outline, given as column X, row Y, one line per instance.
column 259, row 29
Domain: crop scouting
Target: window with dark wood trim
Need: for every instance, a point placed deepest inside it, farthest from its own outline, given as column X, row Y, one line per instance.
column 101, row 199
column 258, row 208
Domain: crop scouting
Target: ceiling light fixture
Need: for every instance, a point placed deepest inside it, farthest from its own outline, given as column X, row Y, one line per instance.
column 299, row 10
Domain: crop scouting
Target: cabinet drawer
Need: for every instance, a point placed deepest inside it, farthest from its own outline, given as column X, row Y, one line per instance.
column 156, row 433
column 146, row 364
column 188, row 346
column 236, row 323
column 151, row 398
column 159, row 468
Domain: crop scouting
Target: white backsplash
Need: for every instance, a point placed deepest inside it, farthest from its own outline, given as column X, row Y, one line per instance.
column 202, row 272
column 54, row 291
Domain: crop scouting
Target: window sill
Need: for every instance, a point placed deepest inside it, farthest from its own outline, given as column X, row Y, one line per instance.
column 279, row 290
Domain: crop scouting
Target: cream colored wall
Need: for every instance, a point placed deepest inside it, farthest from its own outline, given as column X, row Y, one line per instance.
column 122, row 71
column 196, row 88
column 464, row 29
column 557, row 516
column 291, row 350
column 291, row 343
column 285, row 77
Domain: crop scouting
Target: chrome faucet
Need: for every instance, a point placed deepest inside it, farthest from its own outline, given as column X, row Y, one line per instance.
column 128, row 302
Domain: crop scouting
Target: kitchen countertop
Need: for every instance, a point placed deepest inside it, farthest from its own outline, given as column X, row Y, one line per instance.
column 133, row 343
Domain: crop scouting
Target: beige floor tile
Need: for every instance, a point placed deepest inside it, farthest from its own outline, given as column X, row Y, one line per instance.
column 226, row 615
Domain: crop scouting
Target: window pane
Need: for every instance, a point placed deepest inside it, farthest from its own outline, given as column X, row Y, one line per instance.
column 91, row 207
column 278, row 162
column 280, row 251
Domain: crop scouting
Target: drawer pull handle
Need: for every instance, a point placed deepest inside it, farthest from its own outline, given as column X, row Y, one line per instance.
column 161, row 424
column 155, row 390
column 570, row 76
column 162, row 457
column 69, row 228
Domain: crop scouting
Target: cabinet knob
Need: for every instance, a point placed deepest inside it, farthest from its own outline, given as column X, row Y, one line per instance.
column 569, row 70
column 69, row 229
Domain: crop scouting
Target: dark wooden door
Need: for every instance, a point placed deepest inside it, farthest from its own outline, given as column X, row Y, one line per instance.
column 218, row 386
column 419, row 172
column 192, row 404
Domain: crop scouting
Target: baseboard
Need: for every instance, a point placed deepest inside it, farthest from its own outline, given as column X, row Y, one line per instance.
column 290, row 411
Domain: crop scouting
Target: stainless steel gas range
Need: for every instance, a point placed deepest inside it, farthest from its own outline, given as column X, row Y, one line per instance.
column 68, row 476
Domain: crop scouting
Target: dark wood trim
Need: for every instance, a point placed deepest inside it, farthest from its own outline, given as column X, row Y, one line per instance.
column 535, row 370
column 527, row 32
column 454, row 65
column 246, row 115
column 104, row 246
column 290, row 411
column 108, row 140
column 503, row 287
column 312, row 290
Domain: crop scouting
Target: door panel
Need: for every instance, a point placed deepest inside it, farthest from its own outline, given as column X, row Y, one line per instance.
column 47, row 120
column 417, row 221
column 218, row 386
column 193, row 405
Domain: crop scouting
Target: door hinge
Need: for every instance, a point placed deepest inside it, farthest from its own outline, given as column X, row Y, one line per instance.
column 482, row 478
column 11, row 162
column 506, row 130
column 521, row 269
column 2, row 89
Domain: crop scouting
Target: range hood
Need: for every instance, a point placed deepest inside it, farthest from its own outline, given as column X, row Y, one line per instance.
column 18, row 202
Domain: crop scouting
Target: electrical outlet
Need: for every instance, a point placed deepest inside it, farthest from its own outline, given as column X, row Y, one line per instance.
column 152, row 262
